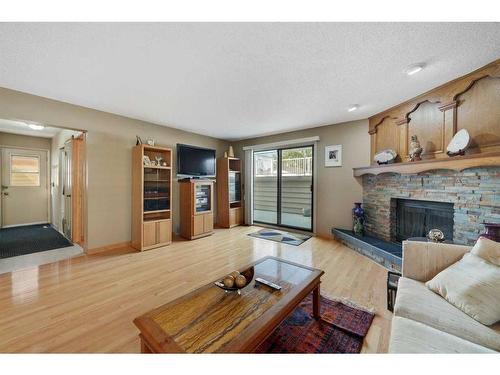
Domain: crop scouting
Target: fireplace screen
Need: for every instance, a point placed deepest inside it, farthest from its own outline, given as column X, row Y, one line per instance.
column 415, row 218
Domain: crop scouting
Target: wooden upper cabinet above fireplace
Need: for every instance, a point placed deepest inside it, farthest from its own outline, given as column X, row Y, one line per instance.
column 471, row 102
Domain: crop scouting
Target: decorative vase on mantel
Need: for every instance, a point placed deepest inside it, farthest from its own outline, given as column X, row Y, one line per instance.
column 358, row 219
column 491, row 231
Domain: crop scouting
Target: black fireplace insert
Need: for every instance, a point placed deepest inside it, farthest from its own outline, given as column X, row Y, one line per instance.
column 415, row 218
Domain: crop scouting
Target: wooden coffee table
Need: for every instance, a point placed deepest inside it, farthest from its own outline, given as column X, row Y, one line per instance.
column 209, row 320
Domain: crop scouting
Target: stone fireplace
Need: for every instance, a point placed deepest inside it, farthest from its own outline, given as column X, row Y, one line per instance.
column 473, row 196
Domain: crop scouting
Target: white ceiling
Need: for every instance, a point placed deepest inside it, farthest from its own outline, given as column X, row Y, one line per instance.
column 22, row 128
column 238, row 80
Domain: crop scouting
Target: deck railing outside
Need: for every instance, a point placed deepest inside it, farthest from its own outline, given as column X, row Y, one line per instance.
column 290, row 167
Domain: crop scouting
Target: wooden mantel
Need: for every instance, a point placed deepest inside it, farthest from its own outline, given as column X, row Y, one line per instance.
column 457, row 163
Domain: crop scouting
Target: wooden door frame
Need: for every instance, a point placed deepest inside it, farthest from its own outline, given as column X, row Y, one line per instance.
column 48, row 181
column 78, row 189
column 84, row 182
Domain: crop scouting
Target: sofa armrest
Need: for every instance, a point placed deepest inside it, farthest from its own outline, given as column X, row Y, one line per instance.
column 424, row 260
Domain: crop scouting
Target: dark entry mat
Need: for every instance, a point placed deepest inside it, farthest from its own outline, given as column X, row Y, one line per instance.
column 30, row 239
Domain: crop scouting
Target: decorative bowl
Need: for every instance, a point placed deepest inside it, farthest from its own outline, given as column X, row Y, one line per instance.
column 248, row 273
column 435, row 235
column 459, row 143
column 385, row 156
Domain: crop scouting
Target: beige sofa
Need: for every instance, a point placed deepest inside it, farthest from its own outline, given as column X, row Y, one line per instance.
column 423, row 321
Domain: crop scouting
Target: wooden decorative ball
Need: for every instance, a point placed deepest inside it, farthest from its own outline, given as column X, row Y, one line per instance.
column 240, row 281
column 234, row 274
column 228, row 281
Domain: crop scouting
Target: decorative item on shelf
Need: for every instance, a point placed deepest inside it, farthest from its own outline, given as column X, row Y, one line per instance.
column 158, row 160
column 164, row 163
column 491, row 231
column 138, row 140
column 385, row 156
column 236, row 281
column 459, row 143
column 146, row 161
column 333, row 156
column 153, row 163
column 231, row 152
column 435, row 235
column 225, row 154
column 150, row 142
column 415, row 149
column 358, row 218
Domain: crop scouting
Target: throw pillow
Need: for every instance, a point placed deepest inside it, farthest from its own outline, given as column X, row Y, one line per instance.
column 488, row 250
column 472, row 285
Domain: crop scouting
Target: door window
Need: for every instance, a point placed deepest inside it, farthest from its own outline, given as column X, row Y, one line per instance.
column 24, row 170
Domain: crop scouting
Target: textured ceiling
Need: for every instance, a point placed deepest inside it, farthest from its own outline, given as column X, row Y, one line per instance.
column 238, row 80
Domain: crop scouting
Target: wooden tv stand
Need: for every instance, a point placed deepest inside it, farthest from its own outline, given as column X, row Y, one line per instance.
column 196, row 208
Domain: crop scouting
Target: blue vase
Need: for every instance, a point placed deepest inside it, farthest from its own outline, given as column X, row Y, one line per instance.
column 358, row 210
column 358, row 218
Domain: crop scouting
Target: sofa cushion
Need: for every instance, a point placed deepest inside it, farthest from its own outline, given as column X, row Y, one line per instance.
column 414, row 301
column 473, row 285
column 488, row 250
column 408, row 336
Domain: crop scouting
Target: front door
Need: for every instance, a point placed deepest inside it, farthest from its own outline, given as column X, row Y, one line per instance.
column 24, row 187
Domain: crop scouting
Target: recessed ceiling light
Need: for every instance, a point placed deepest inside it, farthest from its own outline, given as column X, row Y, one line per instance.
column 413, row 69
column 36, row 127
column 352, row 107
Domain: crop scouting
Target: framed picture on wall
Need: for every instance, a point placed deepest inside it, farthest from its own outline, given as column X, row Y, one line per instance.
column 333, row 156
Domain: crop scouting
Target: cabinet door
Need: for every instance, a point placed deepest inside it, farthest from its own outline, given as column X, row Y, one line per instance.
column 232, row 216
column 208, row 223
column 203, row 197
column 238, row 215
column 149, row 234
column 164, row 231
column 198, row 224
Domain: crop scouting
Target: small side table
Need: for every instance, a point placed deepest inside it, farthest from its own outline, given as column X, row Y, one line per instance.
column 392, row 288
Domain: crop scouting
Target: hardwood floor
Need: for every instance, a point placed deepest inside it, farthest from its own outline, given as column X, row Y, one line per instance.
column 87, row 304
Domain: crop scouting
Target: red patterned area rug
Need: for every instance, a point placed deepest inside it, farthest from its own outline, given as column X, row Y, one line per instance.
column 341, row 329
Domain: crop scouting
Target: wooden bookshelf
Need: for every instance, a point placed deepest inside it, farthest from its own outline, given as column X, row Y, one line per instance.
column 151, row 198
column 229, row 196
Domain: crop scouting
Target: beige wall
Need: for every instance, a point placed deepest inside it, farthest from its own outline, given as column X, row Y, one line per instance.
column 111, row 137
column 337, row 189
column 109, row 151
column 17, row 140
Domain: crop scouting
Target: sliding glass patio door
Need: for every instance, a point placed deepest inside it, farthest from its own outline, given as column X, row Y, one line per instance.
column 283, row 187
column 265, row 187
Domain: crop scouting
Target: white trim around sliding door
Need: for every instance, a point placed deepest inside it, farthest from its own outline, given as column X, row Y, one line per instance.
column 248, row 165
column 248, row 186
column 283, row 144
column 315, row 184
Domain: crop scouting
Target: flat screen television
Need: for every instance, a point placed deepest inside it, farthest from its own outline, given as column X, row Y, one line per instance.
column 195, row 161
